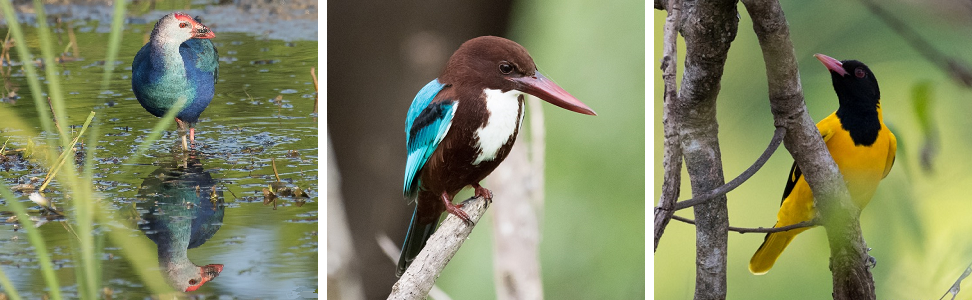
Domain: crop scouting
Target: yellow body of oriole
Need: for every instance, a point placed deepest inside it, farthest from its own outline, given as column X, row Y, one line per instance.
column 860, row 143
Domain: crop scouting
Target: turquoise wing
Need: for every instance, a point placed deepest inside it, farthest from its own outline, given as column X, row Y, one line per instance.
column 426, row 125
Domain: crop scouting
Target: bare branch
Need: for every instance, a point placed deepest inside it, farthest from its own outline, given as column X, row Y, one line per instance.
column 663, row 212
column 955, row 67
column 741, row 230
column 343, row 280
column 957, row 286
column 848, row 262
column 726, row 188
column 438, row 251
column 672, row 161
column 516, row 228
column 391, row 251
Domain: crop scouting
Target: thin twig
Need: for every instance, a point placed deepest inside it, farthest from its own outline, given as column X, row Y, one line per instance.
column 64, row 155
column 956, row 287
column 273, row 163
column 672, row 161
column 773, row 145
column 951, row 65
column 741, row 230
column 54, row 115
column 74, row 41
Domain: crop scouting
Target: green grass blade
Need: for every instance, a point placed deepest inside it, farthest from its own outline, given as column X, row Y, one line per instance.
column 160, row 127
column 33, row 234
column 138, row 251
column 64, row 155
column 30, row 71
column 8, row 286
column 84, row 203
column 51, row 68
column 114, row 41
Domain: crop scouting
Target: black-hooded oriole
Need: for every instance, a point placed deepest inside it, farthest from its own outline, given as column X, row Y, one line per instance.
column 860, row 143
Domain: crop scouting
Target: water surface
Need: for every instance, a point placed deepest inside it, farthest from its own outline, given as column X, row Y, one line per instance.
column 262, row 115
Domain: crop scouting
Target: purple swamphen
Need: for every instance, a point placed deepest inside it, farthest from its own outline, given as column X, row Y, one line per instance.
column 181, row 209
column 178, row 62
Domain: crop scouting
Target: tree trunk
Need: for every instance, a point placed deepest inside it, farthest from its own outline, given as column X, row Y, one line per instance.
column 709, row 27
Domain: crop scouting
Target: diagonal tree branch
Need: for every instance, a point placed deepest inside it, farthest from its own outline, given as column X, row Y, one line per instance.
column 438, row 251
column 392, row 251
column 672, row 161
column 708, row 27
column 957, row 286
column 848, row 263
column 726, row 188
column 667, row 207
column 958, row 69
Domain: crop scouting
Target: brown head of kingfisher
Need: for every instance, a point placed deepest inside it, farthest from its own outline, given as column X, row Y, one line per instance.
column 462, row 125
column 861, row 145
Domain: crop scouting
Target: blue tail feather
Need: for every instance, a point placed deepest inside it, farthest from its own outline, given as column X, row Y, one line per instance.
column 415, row 240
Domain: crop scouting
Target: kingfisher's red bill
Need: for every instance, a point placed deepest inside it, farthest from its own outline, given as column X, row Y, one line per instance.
column 462, row 125
column 541, row 87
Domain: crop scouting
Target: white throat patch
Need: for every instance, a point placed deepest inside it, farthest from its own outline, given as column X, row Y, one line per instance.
column 505, row 116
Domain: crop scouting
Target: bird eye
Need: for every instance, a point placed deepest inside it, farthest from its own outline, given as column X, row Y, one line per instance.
column 192, row 281
column 183, row 25
column 859, row 73
column 506, row 68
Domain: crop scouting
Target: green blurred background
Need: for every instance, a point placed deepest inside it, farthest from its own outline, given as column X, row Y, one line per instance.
column 380, row 54
column 917, row 223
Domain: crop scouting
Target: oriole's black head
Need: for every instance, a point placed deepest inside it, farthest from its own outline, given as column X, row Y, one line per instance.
column 859, row 96
column 853, row 81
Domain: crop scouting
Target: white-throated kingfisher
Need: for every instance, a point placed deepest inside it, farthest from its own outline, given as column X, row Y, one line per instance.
column 462, row 125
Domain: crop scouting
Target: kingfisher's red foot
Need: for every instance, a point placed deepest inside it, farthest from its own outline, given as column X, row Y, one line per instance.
column 483, row 192
column 456, row 210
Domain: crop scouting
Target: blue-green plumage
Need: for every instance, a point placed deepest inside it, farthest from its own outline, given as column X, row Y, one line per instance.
column 452, row 146
column 178, row 64
column 425, row 126
column 181, row 209
column 158, row 83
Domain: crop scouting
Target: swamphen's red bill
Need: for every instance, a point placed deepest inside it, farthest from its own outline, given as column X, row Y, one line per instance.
column 206, row 273
column 199, row 31
column 179, row 64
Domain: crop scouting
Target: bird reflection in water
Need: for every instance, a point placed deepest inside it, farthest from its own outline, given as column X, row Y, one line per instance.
column 181, row 208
